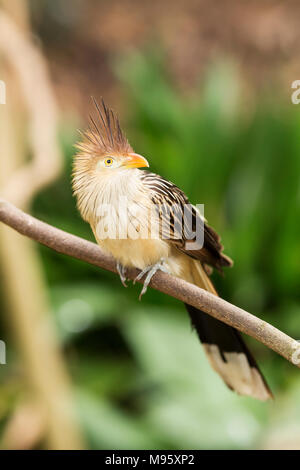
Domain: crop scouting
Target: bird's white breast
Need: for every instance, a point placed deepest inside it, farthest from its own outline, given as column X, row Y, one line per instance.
column 124, row 221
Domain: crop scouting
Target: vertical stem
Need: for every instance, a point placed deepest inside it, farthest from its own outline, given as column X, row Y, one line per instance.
column 25, row 291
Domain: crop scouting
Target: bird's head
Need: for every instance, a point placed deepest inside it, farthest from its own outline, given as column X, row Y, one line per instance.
column 104, row 148
column 105, row 161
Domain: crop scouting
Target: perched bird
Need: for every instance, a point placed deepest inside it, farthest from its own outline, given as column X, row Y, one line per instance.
column 107, row 171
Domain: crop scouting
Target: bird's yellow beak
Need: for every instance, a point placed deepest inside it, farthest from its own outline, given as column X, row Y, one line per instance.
column 134, row 160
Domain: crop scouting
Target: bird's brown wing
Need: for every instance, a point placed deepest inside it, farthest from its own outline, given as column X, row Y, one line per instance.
column 172, row 205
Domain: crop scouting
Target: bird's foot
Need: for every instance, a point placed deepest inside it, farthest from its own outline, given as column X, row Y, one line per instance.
column 122, row 273
column 150, row 271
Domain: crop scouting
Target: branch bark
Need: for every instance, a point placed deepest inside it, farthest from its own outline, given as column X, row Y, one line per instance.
column 71, row 245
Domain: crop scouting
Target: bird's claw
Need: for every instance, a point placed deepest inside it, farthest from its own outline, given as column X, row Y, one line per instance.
column 122, row 273
column 150, row 271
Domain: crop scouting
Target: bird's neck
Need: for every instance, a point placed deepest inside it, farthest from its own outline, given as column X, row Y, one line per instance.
column 96, row 191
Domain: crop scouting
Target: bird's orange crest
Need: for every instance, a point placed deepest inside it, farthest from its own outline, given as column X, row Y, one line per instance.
column 104, row 136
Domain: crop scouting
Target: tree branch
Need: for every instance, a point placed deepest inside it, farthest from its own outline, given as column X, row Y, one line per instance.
column 71, row 245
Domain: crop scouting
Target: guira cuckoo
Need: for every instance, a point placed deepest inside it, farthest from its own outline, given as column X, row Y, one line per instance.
column 106, row 170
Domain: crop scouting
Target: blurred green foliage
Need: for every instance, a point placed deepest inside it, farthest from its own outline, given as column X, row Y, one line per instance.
column 141, row 377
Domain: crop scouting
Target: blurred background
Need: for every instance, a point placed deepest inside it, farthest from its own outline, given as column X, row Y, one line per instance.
column 203, row 91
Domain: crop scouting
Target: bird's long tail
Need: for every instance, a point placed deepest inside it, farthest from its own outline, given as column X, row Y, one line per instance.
column 225, row 347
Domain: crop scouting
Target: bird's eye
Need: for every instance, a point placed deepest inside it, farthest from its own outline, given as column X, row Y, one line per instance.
column 108, row 161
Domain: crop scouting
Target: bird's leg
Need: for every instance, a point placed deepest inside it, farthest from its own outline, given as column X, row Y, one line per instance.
column 122, row 273
column 150, row 271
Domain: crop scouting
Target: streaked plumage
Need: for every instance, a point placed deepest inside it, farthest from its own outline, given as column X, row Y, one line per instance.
column 105, row 171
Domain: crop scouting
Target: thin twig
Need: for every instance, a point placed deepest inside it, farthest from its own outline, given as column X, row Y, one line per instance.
column 71, row 245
